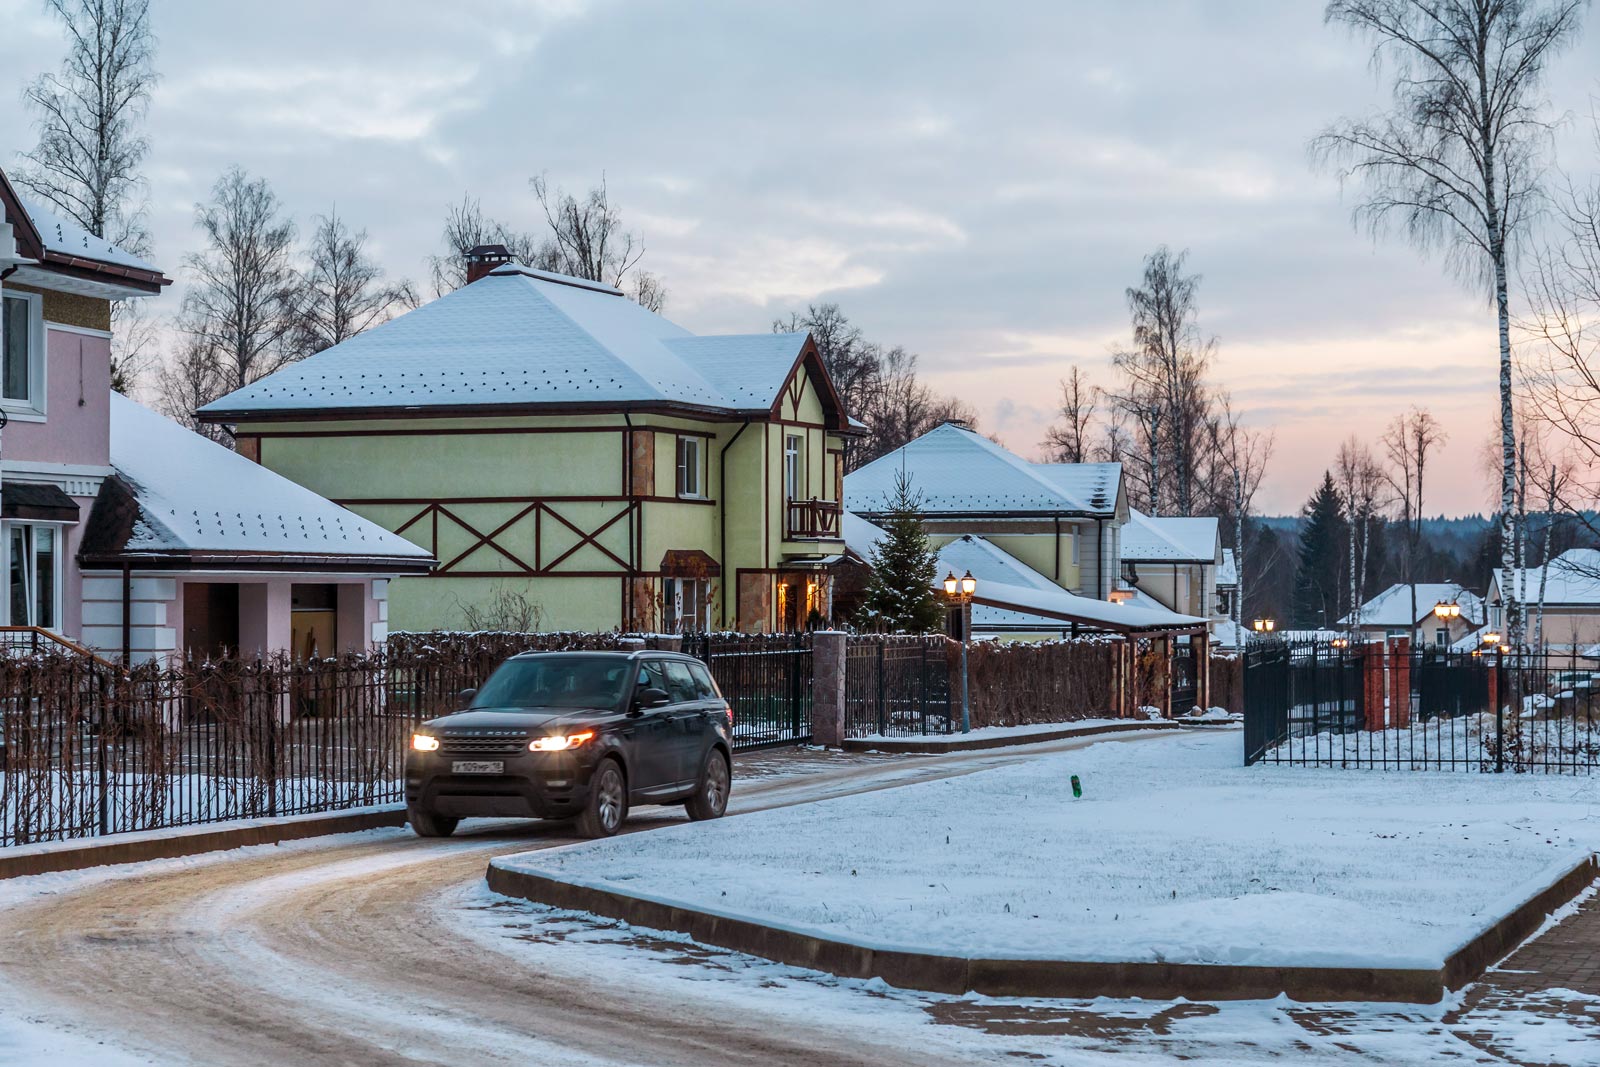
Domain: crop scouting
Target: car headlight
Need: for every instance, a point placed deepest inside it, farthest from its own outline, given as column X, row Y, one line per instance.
column 559, row 742
column 424, row 742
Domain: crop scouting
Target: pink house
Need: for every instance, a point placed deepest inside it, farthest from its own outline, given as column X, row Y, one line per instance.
column 121, row 530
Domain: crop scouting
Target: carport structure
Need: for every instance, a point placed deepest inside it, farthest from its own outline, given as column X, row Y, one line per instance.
column 1013, row 599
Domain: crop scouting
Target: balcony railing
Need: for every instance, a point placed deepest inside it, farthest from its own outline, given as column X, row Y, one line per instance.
column 813, row 518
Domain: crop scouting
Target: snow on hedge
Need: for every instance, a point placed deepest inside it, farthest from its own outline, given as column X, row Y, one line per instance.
column 1175, row 852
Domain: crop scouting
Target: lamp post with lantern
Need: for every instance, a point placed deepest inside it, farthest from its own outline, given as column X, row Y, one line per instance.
column 959, row 592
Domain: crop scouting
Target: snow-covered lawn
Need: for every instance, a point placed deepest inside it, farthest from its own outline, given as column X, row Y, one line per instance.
column 1174, row 852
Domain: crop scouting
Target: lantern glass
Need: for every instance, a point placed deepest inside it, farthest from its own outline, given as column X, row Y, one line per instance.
column 950, row 584
column 969, row 584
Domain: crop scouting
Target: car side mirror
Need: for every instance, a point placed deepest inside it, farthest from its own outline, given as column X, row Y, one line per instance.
column 650, row 697
column 464, row 697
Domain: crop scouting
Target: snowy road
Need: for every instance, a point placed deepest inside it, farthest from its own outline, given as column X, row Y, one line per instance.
column 329, row 952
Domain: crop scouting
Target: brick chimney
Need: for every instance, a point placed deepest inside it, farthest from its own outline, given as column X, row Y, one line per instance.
column 485, row 258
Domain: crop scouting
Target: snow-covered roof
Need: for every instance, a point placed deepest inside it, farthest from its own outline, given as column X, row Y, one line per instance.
column 860, row 536
column 193, row 497
column 519, row 338
column 1006, row 583
column 1392, row 607
column 67, row 237
column 1229, row 634
column 957, row 471
column 1471, row 642
column 1228, row 572
column 1573, row 579
column 1154, row 539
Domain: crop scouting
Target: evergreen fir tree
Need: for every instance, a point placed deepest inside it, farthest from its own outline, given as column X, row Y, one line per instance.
column 901, row 596
column 1317, row 581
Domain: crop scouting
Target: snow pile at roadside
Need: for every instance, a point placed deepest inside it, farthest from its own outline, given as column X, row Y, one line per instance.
column 980, row 733
column 1175, row 853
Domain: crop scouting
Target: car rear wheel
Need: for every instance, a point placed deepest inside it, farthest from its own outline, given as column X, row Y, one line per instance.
column 710, row 798
column 429, row 824
column 607, row 807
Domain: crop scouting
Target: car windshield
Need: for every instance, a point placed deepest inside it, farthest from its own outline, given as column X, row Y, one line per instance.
column 556, row 681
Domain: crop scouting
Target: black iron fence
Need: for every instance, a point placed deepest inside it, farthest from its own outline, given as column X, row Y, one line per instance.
column 897, row 686
column 766, row 679
column 87, row 749
column 1372, row 706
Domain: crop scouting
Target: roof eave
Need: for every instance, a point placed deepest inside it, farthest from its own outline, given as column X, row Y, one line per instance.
column 212, row 414
column 208, row 559
column 99, row 270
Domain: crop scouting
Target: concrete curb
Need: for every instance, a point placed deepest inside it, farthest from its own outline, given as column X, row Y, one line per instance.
column 974, row 744
column 1057, row 978
column 75, row 855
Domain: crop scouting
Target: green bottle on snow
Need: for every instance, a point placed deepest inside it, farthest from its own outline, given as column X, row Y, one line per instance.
column 1077, row 787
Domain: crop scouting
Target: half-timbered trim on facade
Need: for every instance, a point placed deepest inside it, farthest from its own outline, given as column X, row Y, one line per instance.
column 581, row 452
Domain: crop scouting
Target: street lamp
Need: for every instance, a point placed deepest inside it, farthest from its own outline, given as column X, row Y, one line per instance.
column 1491, row 638
column 1447, row 610
column 1264, row 626
column 959, row 591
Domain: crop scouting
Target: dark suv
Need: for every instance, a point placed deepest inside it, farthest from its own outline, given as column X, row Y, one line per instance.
column 582, row 735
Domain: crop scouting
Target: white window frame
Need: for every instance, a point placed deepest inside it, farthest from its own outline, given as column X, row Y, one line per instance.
column 30, row 579
column 793, row 466
column 34, row 404
column 689, row 461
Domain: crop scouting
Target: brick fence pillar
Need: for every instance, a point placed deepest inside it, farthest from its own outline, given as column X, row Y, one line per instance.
column 1400, row 682
column 827, row 687
column 1372, row 656
column 669, row 642
column 631, row 644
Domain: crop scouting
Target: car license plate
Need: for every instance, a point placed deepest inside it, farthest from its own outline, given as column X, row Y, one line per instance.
column 478, row 767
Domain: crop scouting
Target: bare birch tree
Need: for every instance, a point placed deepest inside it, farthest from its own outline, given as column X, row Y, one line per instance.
column 188, row 381
column 242, row 307
column 1165, row 373
column 1407, row 443
column 89, row 114
column 587, row 240
column 1455, row 161
column 1238, row 463
column 1067, row 439
column 1560, row 348
column 1361, row 483
column 86, row 166
column 465, row 228
column 343, row 291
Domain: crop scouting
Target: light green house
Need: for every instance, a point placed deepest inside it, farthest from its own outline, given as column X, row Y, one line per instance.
column 558, row 447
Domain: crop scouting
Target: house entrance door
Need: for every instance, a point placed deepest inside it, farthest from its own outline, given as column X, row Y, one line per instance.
column 313, row 618
column 210, row 618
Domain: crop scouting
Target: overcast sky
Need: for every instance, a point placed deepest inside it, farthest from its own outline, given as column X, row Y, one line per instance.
column 978, row 183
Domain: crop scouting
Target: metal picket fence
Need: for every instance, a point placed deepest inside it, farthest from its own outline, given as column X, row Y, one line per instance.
column 767, row 680
column 896, row 687
column 1363, row 706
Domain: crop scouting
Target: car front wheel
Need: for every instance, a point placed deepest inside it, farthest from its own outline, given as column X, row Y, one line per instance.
column 608, row 801
column 710, row 798
column 428, row 824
